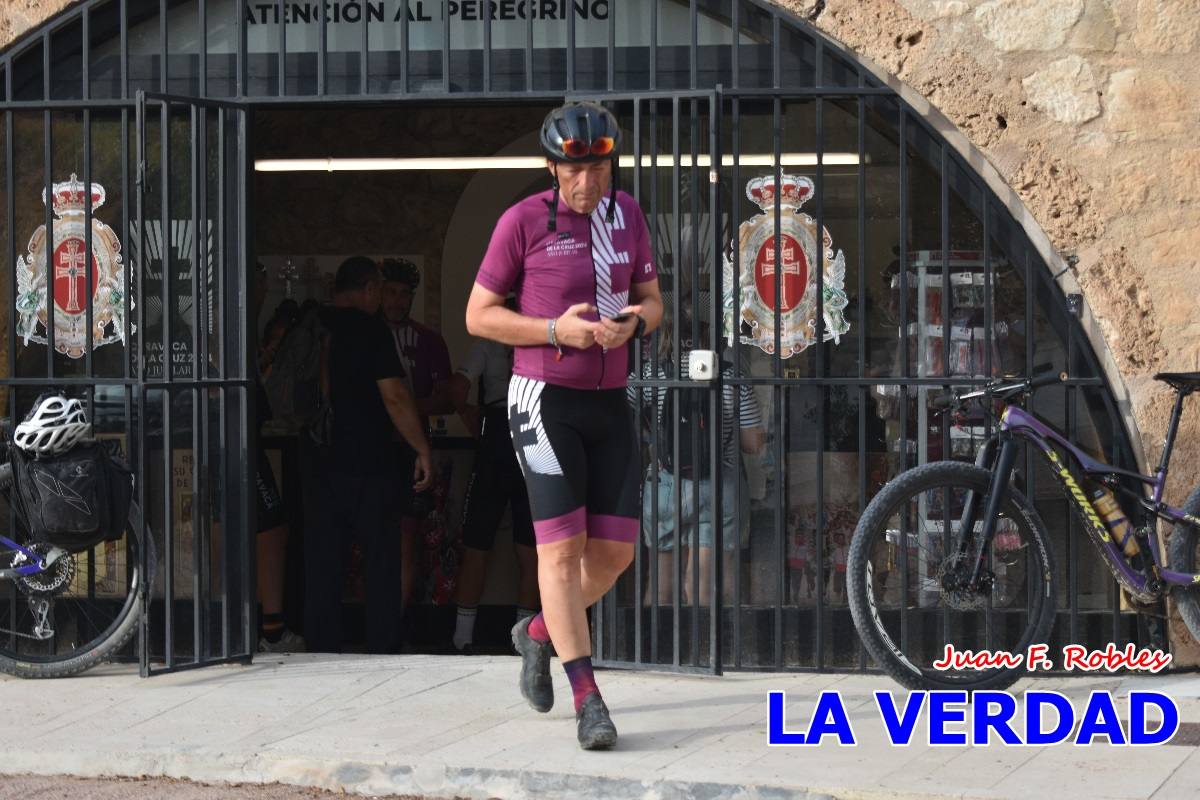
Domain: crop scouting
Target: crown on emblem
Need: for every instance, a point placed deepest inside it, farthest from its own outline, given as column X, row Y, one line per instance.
column 795, row 191
column 69, row 196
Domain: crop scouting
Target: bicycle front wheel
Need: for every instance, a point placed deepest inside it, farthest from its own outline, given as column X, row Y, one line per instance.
column 80, row 612
column 905, row 589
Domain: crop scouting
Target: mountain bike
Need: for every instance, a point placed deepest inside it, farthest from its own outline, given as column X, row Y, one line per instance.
column 62, row 612
column 953, row 554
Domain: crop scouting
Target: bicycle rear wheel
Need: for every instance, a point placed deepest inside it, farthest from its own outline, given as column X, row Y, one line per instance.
column 76, row 614
column 901, row 587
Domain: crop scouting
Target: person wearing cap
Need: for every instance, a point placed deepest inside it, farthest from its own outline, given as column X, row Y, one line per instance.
column 426, row 362
column 581, row 265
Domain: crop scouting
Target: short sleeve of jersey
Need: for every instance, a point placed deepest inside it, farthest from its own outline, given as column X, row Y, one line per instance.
column 643, row 260
column 473, row 366
column 385, row 361
column 505, row 255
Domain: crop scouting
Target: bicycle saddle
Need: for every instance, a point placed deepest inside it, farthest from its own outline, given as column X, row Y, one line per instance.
column 1180, row 381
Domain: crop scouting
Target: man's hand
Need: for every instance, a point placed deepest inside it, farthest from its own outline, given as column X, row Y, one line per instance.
column 423, row 471
column 614, row 334
column 571, row 330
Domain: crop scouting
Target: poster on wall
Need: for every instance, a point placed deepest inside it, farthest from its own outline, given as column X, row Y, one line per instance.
column 68, row 268
column 754, row 311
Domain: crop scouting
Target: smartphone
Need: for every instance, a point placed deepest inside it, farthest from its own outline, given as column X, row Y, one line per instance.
column 624, row 315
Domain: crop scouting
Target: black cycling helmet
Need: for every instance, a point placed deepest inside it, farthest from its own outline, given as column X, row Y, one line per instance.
column 400, row 270
column 581, row 132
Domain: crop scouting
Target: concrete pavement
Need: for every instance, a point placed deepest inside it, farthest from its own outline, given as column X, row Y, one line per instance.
column 456, row 726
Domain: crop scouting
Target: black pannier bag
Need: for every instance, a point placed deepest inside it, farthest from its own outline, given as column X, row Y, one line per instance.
column 74, row 500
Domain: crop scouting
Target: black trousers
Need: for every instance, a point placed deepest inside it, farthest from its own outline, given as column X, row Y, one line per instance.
column 352, row 507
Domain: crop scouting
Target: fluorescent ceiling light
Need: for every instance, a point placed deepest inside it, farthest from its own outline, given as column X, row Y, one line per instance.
column 530, row 162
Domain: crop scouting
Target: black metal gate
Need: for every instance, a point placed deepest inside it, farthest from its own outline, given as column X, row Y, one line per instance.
column 666, row 613
column 191, row 347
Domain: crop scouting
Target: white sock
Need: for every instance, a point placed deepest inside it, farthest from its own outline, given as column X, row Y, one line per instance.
column 464, row 626
column 522, row 613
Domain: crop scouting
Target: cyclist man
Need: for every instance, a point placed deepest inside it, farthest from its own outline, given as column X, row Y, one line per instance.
column 584, row 276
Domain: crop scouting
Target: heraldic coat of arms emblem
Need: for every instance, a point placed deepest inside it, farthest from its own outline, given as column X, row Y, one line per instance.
column 68, row 274
column 795, row 273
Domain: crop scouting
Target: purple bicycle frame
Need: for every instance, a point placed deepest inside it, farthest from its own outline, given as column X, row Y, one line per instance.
column 32, row 568
column 1020, row 422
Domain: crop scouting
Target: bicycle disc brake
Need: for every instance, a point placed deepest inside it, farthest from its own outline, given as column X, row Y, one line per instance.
column 54, row 578
column 956, row 593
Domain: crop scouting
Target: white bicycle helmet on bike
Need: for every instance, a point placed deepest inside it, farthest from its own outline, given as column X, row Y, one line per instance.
column 54, row 426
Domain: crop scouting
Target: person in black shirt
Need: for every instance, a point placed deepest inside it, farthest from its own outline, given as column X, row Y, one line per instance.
column 364, row 488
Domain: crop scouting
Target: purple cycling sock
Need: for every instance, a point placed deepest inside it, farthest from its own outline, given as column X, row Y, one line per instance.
column 583, row 681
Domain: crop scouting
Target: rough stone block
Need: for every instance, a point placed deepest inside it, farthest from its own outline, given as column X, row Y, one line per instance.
column 1137, row 96
column 1167, row 26
column 1028, row 24
column 1065, row 90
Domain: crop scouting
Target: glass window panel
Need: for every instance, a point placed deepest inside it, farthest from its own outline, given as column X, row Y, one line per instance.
column 632, row 61
column 222, row 44
column 263, row 32
column 672, row 50
column 66, row 56
column 881, row 165
column 550, row 55
column 755, row 54
column 68, row 262
column 183, row 47
column 1008, row 295
column 924, row 326
column 145, row 46
column 108, row 245
column 837, row 71
column 30, row 236
column 962, row 292
column 8, row 248
column 27, row 76
column 839, row 204
column 798, row 57
column 104, row 53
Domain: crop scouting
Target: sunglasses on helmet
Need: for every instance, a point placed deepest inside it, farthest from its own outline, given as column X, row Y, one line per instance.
column 579, row 148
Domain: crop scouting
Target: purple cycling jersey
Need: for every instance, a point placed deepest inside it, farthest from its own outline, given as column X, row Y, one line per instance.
column 585, row 261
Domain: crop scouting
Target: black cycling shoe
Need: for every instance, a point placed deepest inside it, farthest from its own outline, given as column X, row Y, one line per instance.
column 536, row 686
column 595, row 726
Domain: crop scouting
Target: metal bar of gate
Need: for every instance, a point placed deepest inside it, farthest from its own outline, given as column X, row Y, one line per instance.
column 139, row 355
column 639, row 369
column 905, row 372
column 735, row 335
column 716, row 398
column 165, row 398
column 223, row 368
column 864, row 324
column 822, row 392
column 245, row 251
column 200, row 536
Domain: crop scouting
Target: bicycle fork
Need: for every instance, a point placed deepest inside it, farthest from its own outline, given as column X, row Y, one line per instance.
column 997, row 454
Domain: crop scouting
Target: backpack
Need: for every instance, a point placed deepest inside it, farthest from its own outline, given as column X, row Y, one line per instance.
column 297, row 382
column 74, row 500
column 292, row 385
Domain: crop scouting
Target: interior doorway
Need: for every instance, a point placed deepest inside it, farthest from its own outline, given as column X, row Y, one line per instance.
column 439, row 178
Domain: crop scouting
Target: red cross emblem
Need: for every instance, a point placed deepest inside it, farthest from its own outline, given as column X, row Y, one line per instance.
column 795, row 272
column 70, row 275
